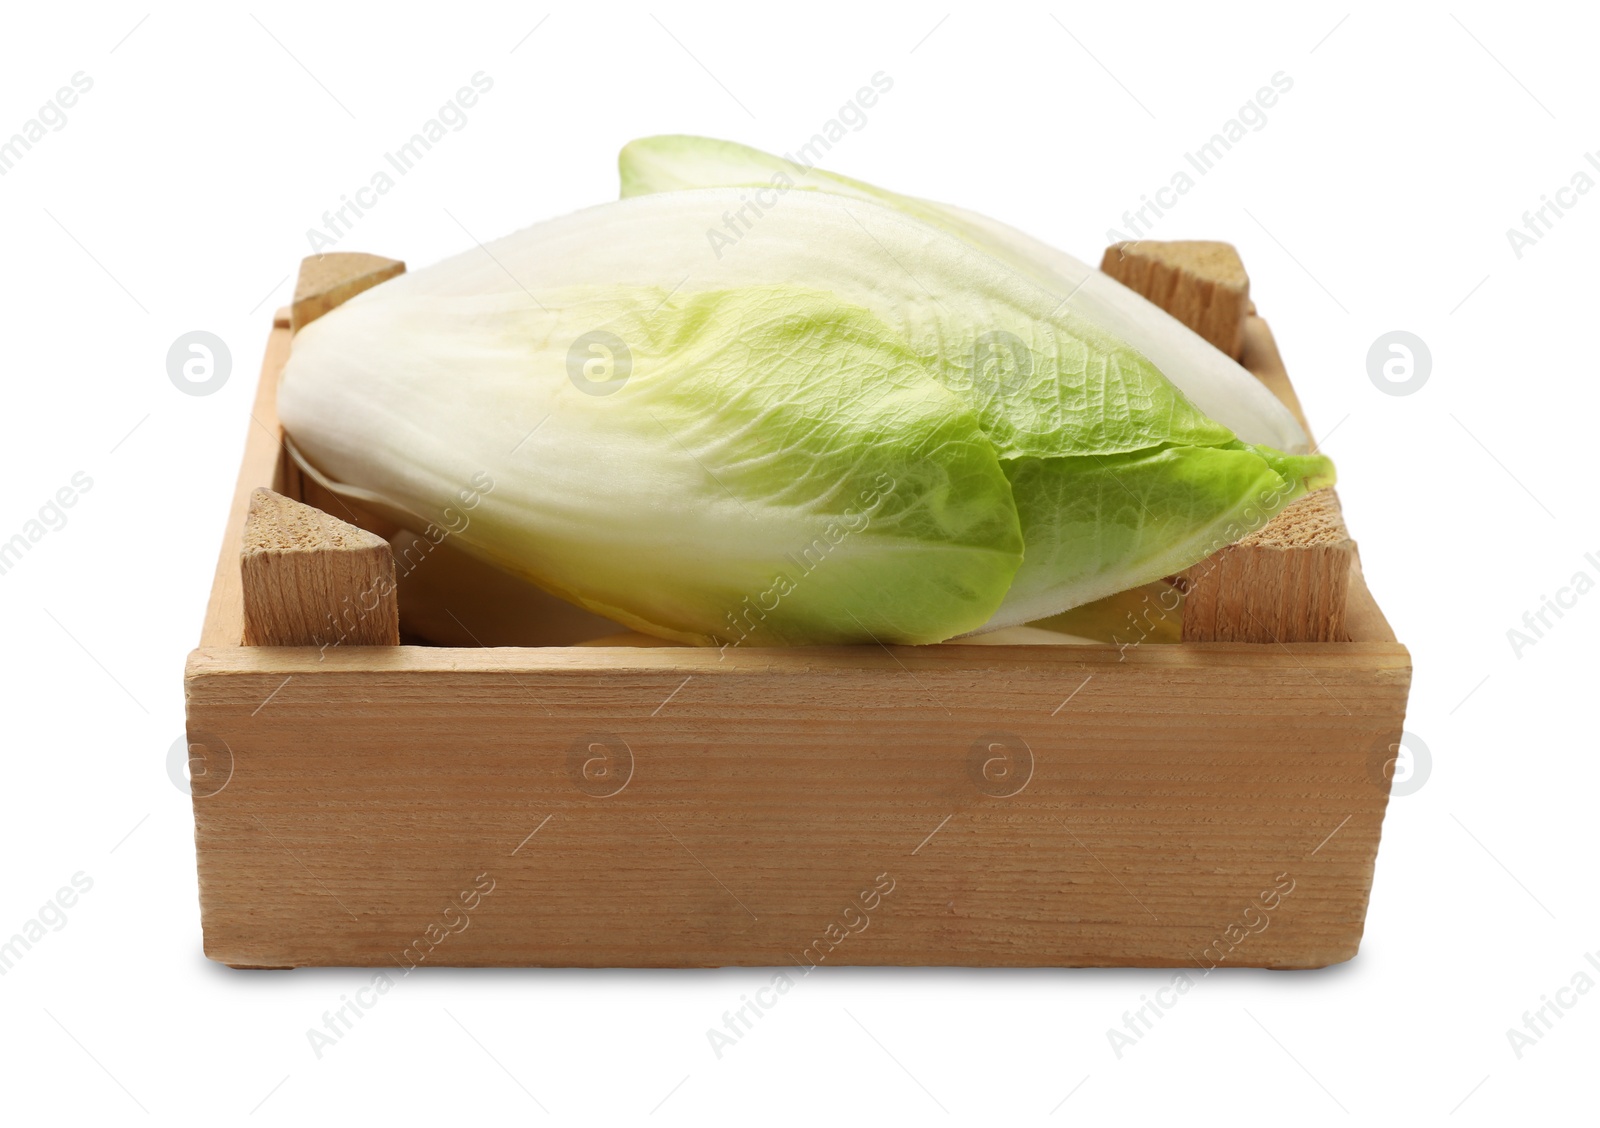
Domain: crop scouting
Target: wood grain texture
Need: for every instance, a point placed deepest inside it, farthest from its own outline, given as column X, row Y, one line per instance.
column 674, row 807
column 263, row 465
column 330, row 280
column 1286, row 582
column 1203, row 285
column 312, row 580
column 1363, row 619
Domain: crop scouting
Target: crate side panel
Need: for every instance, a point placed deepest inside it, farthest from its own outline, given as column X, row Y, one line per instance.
column 1016, row 809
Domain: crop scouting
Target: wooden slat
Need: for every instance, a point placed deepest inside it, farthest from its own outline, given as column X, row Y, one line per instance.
column 328, row 281
column 1364, row 621
column 312, row 580
column 737, row 803
column 1203, row 285
column 1286, row 582
column 260, row 467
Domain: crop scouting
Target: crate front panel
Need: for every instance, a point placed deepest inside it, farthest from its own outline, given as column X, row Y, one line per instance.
column 945, row 806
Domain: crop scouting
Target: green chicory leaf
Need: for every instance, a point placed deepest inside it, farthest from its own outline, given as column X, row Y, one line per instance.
column 854, row 425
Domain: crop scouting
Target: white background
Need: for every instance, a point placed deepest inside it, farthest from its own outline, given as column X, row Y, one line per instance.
column 1377, row 197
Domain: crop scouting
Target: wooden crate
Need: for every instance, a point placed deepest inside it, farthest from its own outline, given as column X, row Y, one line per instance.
column 1212, row 801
